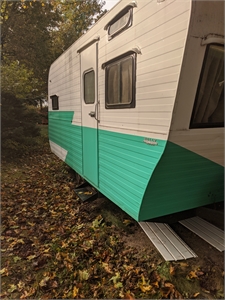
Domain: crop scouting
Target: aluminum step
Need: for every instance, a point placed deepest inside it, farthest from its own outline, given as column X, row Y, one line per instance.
column 167, row 242
column 208, row 232
column 86, row 192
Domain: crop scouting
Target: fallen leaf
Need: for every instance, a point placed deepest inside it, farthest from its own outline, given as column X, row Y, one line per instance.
column 169, row 285
column 31, row 224
column 115, row 278
column 28, row 293
column 172, row 270
column 127, row 222
column 44, row 281
column 96, row 223
column 12, row 288
column 54, row 284
column 183, row 264
column 83, row 275
column 58, row 256
column 145, row 288
column 30, row 257
column 129, row 296
column 21, row 285
column 4, row 272
column 165, row 291
column 75, row 291
column 156, row 284
column 196, row 294
column 16, row 258
column 118, row 285
column 192, row 274
column 199, row 273
column 106, row 267
column 206, row 291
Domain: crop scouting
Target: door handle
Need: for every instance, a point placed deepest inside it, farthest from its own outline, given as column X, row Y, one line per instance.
column 92, row 114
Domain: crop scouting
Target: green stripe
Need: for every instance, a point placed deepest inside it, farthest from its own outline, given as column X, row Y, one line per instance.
column 68, row 136
column 182, row 180
column 90, row 155
column 146, row 181
column 126, row 163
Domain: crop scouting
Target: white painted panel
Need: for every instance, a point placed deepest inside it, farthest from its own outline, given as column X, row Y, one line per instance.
column 207, row 142
column 160, row 31
column 207, row 18
column 138, row 130
column 59, row 151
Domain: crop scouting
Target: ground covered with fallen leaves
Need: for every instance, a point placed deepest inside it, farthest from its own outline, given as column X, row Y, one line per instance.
column 53, row 246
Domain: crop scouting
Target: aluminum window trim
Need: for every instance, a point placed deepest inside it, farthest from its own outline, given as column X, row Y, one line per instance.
column 117, row 61
column 85, row 73
column 126, row 9
column 56, row 97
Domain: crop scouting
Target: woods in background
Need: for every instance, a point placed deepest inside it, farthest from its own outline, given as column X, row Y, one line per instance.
column 33, row 35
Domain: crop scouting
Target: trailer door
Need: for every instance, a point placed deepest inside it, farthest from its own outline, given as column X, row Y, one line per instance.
column 89, row 102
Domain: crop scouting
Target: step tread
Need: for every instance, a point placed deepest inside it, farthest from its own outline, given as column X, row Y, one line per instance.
column 205, row 230
column 167, row 242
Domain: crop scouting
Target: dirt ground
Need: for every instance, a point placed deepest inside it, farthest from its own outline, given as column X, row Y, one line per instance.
column 55, row 246
column 208, row 265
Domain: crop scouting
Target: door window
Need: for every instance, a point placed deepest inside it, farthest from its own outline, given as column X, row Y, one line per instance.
column 89, row 87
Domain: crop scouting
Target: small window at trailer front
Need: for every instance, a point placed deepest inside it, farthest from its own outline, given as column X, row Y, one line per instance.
column 55, row 102
column 120, row 83
column 89, row 87
column 209, row 103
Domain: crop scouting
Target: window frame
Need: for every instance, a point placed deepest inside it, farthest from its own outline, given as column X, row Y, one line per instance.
column 193, row 125
column 124, row 27
column 125, row 10
column 55, row 102
column 117, row 61
column 84, row 74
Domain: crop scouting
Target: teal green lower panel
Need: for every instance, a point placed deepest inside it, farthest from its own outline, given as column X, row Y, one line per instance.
column 182, row 180
column 144, row 180
column 126, row 164
column 68, row 136
column 90, row 155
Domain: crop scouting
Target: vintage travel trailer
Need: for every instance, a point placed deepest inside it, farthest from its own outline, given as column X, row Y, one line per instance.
column 136, row 106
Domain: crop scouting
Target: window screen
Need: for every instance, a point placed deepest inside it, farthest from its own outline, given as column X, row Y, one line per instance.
column 121, row 22
column 120, row 83
column 89, row 87
column 209, row 103
column 55, row 102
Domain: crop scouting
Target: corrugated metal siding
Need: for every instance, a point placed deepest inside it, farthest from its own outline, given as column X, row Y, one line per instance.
column 155, row 30
column 65, row 82
column 207, row 142
column 67, row 136
column 181, row 181
column 125, row 166
column 160, row 32
column 207, row 18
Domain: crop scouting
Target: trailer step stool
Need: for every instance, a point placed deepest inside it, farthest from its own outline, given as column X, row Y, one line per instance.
column 86, row 192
